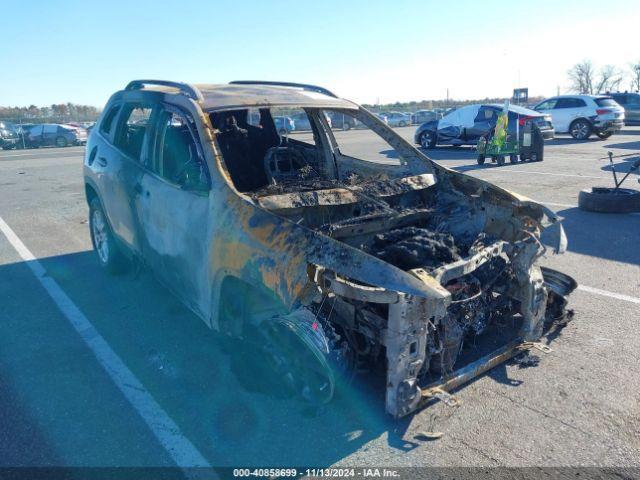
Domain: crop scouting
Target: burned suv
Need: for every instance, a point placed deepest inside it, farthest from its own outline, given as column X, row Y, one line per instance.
column 334, row 250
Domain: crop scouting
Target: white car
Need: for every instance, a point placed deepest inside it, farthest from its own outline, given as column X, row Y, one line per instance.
column 397, row 119
column 582, row 115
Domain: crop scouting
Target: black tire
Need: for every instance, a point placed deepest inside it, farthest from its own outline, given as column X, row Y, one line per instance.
column 110, row 257
column 402, row 123
column 480, row 159
column 513, row 158
column 537, row 155
column 609, row 200
column 580, row 129
column 428, row 140
column 604, row 135
column 346, row 126
column 283, row 131
column 500, row 160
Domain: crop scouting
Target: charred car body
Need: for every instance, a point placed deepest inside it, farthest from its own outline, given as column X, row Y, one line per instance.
column 337, row 261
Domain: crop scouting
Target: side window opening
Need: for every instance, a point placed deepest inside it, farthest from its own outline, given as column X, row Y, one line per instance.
column 107, row 122
column 375, row 149
column 177, row 153
column 133, row 127
column 267, row 147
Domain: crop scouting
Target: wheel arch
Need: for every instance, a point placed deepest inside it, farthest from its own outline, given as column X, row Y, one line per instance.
column 586, row 119
column 236, row 302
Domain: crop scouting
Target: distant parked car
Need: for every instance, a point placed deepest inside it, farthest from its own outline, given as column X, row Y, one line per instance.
column 397, row 119
column 301, row 121
column 284, row 125
column 382, row 117
column 582, row 115
column 53, row 134
column 422, row 116
column 341, row 121
column 465, row 125
column 9, row 137
column 630, row 101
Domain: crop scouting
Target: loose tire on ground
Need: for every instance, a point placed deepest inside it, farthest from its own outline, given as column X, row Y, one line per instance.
column 107, row 250
column 608, row 200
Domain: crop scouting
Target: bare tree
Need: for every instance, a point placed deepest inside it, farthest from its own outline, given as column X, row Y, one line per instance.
column 609, row 78
column 635, row 76
column 581, row 76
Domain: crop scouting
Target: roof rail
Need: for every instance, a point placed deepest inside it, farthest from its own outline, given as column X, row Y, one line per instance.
column 185, row 88
column 304, row 86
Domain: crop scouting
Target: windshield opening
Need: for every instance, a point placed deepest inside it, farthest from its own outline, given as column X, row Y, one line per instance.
column 293, row 149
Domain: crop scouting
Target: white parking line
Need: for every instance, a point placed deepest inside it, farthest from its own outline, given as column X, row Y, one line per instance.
column 181, row 450
column 617, row 296
column 568, row 205
column 544, row 173
column 39, row 154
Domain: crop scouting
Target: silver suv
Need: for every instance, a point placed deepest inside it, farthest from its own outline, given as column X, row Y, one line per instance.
column 582, row 115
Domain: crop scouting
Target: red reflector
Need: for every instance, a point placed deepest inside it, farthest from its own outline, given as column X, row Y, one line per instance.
column 523, row 120
column 602, row 111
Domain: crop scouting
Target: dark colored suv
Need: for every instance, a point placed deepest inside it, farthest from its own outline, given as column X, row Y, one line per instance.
column 630, row 101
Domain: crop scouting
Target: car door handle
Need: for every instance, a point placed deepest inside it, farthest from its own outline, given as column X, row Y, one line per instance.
column 138, row 189
column 102, row 161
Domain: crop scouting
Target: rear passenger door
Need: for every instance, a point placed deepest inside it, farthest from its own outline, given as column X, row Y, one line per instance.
column 172, row 208
column 567, row 110
column 119, row 167
column 49, row 134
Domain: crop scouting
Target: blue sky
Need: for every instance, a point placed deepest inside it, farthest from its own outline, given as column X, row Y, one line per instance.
column 82, row 51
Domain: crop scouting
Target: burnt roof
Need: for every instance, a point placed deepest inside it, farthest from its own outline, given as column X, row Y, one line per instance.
column 248, row 94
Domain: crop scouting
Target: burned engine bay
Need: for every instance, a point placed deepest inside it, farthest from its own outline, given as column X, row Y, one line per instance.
column 478, row 256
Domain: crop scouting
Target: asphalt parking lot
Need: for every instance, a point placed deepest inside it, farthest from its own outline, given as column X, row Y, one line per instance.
column 59, row 406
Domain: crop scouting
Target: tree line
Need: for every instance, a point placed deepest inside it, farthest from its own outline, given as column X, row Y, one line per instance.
column 586, row 78
column 55, row 113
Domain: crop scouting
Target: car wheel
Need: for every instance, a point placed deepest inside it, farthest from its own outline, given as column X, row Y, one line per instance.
column 428, row 140
column 604, row 135
column 500, row 160
column 346, row 126
column 513, row 158
column 402, row 124
column 283, row 131
column 108, row 252
column 538, row 143
column 299, row 366
column 609, row 200
column 580, row 129
column 61, row 142
column 480, row 159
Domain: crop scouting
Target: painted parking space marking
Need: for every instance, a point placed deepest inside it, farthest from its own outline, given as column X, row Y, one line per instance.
column 535, row 172
column 605, row 293
column 181, row 450
column 38, row 154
